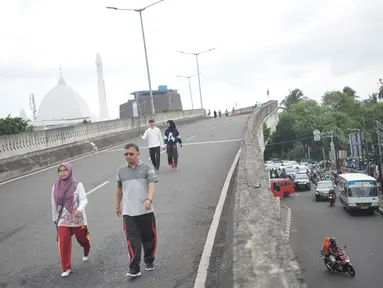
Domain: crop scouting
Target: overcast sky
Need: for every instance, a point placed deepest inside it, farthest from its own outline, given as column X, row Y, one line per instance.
column 275, row 44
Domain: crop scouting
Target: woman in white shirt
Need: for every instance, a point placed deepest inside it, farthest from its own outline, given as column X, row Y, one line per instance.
column 68, row 211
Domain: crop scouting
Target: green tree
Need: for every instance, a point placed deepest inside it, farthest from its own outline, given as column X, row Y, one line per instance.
column 372, row 99
column 294, row 97
column 340, row 111
column 14, row 125
column 307, row 116
column 266, row 132
column 281, row 141
column 380, row 93
column 350, row 92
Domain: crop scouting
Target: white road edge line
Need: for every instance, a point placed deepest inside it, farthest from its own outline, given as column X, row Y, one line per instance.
column 208, row 248
column 96, row 188
column 212, row 128
column 190, row 137
column 163, row 151
column 187, row 144
column 288, row 224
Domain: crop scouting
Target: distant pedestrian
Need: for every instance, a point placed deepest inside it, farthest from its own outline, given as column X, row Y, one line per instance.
column 155, row 142
column 68, row 211
column 172, row 138
column 135, row 189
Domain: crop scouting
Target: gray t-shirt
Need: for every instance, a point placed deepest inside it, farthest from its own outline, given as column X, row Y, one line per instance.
column 135, row 186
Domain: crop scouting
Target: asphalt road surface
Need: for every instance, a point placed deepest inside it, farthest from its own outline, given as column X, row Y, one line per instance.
column 184, row 204
column 363, row 235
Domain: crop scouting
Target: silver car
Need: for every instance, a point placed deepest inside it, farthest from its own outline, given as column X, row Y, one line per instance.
column 322, row 189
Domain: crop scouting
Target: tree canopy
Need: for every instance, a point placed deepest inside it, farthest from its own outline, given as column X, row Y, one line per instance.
column 14, row 125
column 342, row 111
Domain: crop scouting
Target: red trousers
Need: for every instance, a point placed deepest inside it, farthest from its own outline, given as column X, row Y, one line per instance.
column 65, row 243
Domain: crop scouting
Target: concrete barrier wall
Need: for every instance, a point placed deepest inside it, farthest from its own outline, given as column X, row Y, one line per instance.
column 23, row 143
column 23, row 164
column 272, row 120
column 261, row 256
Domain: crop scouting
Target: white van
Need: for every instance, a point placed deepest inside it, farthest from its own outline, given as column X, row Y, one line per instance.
column 358, row 191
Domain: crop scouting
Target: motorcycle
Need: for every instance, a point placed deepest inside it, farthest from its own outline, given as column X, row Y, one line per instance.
column 331, row 197
column 342, row 265
column 332, row 200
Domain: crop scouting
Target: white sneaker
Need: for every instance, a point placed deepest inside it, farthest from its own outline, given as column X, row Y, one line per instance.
column 66, row 273
column 133, row 275
column 85, row 258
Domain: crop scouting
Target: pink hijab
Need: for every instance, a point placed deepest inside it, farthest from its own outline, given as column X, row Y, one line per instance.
column 63, row 185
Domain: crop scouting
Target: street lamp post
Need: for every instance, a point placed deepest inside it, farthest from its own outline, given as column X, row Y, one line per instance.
column 199, row 79
column 143, row 37
column 191, row 96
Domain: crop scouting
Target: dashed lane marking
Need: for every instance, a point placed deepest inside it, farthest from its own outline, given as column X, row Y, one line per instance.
column 288, row 224
column 187, row 144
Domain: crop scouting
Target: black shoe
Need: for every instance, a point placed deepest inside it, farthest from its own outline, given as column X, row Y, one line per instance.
column 133, row 272
column 149, row 266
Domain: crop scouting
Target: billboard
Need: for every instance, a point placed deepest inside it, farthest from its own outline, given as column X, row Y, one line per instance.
column 356, row 140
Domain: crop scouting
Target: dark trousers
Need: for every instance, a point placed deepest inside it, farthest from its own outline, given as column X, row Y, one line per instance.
column 172, row 152
column 141, row 233
column 155, row 155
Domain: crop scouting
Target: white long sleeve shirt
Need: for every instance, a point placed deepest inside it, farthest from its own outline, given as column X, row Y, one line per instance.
column 67, row 219
column 154, row 137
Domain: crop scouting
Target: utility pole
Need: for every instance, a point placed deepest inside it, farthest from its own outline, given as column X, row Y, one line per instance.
column 379, row 134
column 190, row 89
column 145, row 49
column 32, row 106
column 198, row 73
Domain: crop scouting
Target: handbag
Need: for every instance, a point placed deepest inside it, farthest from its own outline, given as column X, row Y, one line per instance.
column 61, row 210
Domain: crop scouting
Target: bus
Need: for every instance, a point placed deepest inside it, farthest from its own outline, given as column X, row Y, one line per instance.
column 358, row 191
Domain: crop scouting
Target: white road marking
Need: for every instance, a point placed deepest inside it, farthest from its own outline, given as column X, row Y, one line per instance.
column 160, row 153
column 212, row 142
column 208, row 248
column 96, row 188
column 70, row 161
column 187, row 144
column 226, row 121
column 288, row 224
column 191, row 137
column 212, row 128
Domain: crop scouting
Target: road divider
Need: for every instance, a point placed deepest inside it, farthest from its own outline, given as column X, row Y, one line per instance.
column 22, row 165
column 261, row 256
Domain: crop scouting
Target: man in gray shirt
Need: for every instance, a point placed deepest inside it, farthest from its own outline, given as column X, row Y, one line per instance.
column 135, row 188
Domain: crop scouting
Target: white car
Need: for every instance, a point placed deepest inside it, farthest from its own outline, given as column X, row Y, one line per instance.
column 302, row 169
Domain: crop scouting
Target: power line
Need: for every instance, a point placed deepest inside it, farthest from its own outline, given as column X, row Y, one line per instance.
column 270, row 144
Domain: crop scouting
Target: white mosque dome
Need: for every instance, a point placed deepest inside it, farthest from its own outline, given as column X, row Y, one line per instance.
column 63, row 102
column 23, row 114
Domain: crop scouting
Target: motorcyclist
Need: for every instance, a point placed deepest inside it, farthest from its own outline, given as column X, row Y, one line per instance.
column 333, row 252
column 331, row 193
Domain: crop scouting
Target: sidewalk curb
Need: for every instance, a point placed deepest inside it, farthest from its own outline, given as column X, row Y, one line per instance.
column 288, row 224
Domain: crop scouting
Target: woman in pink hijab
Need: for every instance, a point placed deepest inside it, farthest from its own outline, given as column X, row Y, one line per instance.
column 68, row 210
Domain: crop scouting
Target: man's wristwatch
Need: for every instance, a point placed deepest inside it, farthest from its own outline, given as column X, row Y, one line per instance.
column 150, row 200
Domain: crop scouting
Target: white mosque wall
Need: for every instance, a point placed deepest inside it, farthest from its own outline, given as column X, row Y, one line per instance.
column 19, row 144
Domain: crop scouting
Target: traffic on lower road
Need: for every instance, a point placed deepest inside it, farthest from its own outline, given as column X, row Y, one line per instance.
column 336, row 228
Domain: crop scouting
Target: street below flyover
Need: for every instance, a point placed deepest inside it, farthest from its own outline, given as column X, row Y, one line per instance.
column 363, row 234
column 184, row 205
